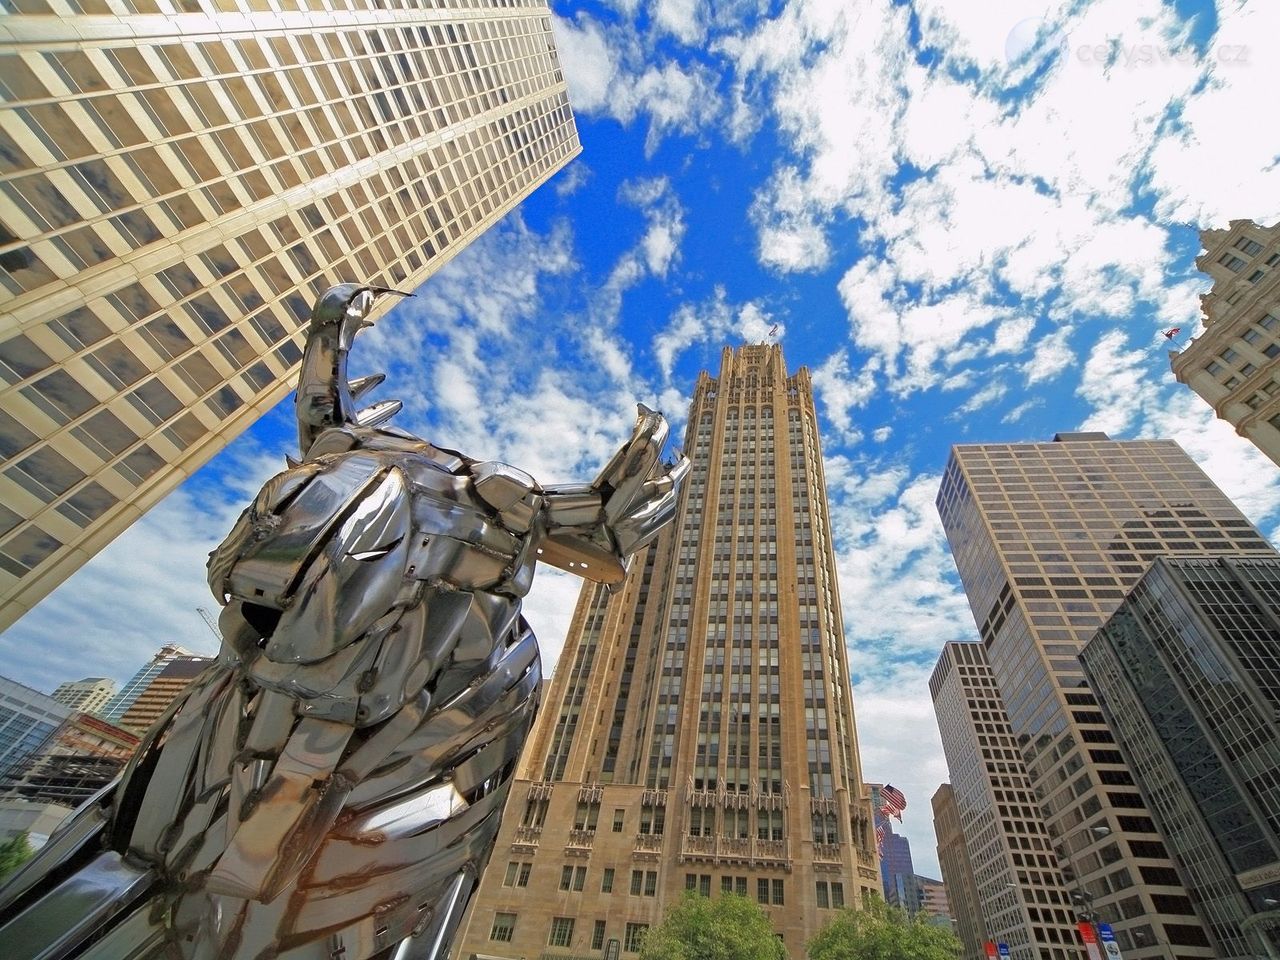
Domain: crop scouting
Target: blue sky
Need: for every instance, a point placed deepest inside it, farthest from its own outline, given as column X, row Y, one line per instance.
column 971, row 220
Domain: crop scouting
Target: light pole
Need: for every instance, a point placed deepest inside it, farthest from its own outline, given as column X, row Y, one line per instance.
column 1081, row 896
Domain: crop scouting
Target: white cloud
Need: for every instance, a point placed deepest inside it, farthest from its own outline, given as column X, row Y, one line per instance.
column 1021, row 410
column 1052, row 356
column 1118, row 382
column 683, row 19
column 572, row 178
column 989, row 395
column 881, row 434
column 713, row 322
column 841, row 392
column 611, row 73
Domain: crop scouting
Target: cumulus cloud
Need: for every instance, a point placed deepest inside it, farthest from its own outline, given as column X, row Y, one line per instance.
column 712, row 322
column 841, row 392
column 611, row 73
column 1127, row 400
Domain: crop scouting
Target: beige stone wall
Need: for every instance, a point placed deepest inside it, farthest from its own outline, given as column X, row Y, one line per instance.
column 1234, row 362
column 714, row 688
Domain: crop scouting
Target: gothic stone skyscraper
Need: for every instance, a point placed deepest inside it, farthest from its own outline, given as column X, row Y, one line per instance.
column 699, row 732
column 1048, row 537
column 180, row 178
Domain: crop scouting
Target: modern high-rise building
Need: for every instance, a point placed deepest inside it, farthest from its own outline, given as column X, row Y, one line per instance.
column 118, row 705
column 1048, row 538
column 699, row 729
column 77, row 760
column 957, row 875
column 179, row 179
column 161, row 690
column 997, row 840
column 897, row 872
column 1187, row 672
column 935, row 907
column 90, row 694
column 1235, row 362
column 27, row 719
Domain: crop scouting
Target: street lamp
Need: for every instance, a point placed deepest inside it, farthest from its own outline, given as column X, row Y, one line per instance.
column 1082, row 896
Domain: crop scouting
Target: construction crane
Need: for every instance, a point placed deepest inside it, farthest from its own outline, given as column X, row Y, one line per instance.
column 209, row 622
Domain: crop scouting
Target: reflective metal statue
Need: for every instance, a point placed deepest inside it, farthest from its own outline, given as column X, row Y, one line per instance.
column 332, row 787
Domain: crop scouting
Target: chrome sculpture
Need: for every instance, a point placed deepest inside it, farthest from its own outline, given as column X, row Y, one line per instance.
column 332, row 787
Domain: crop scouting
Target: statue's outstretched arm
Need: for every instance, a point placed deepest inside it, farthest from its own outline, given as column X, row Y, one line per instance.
column 592, row 529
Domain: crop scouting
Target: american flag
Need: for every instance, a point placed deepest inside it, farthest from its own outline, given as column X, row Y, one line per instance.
column 880, row 831
column 892, row 801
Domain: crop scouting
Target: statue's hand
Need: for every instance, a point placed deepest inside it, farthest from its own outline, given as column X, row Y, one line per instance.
column 639, row 497
column 325, row 397
column 592, row 530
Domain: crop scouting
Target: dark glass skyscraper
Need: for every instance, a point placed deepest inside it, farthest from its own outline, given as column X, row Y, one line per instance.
column 1187, row 672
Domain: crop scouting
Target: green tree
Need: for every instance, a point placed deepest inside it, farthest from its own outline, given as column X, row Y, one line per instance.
column 14, row 852
column 726, row 928
column 881, row 932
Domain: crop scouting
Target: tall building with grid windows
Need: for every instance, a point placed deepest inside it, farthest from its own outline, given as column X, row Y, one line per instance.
column 999, row 850
column 1187, row 672
column 90, row 694
column 699, row 729
column 1048, row 538
column 119, row 705
column 1235, row 362
column 179, row 179
column 957, row 874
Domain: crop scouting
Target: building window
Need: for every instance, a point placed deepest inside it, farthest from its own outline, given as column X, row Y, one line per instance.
column 637, row 882
column 618, row 819
column 1231, row 262
column 762, row 890
column 824, row 900
column 726, row 884
column 1257, row 275
column 1251, row 247
column 777, row 893
column 597, row 936
column 517, row 874
column 651, row 883
column 691, row 881
column 572, row 878
column 504, row 925
column 837, row 895
column 561, row 932
column 634, row 937
column 606, row 881
column 704, row 884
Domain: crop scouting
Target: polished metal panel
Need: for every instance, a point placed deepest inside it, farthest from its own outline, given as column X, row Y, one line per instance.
column 332, row 786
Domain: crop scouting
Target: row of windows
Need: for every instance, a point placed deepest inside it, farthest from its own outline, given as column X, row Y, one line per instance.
column 560, row 933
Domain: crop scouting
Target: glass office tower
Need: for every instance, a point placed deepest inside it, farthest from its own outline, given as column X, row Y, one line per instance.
column 1048, row 538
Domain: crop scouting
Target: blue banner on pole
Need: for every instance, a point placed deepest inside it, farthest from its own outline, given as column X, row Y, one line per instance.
column 1003, row 949
column 1105, row 934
